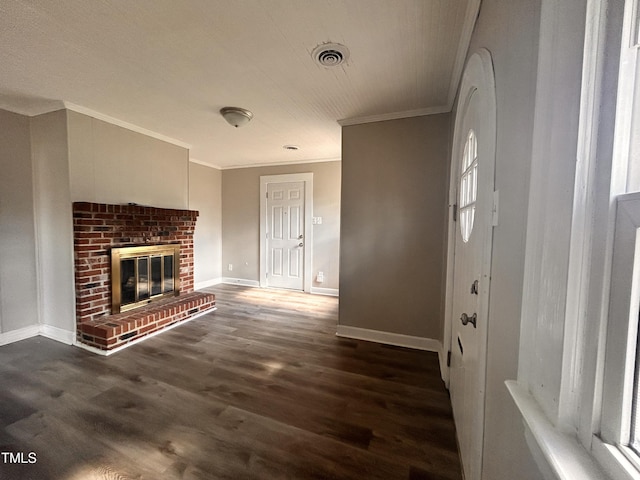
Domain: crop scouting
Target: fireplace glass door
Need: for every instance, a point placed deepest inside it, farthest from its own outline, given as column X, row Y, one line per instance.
column 143, row 274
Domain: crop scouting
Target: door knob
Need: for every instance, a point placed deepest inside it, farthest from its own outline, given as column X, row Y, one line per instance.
column 299, row 237
column 301, row 244
column 466, row 319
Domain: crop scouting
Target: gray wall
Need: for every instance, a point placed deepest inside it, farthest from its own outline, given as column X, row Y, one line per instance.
column 54, row 224
column 392, row 246
column 205, row 195
column 49, row 161
column 111, row 164
column 509, row 30
column 18, row 279
column 241, row 219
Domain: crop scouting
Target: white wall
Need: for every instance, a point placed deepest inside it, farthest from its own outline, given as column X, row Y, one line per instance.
column 18, row 279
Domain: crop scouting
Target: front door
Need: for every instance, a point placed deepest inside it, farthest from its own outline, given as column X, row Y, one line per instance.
column 285, row 235
column 473, row 171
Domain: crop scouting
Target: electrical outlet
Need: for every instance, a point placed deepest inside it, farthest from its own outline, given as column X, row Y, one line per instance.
column 230, row 267
column 320, row 277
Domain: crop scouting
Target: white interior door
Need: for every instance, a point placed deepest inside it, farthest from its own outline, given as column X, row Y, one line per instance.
column 474, row 161
column 285, row 235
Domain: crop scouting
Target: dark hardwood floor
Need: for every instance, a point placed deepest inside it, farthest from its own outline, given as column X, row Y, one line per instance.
column 260, row 389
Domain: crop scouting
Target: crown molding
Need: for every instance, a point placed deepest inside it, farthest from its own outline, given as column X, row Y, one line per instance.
column 470, row 18
column 278, row 164
column 205, row 164
column 419, row 112
column 121, row 123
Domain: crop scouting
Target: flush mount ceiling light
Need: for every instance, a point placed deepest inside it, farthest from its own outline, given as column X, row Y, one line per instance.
column 330, row 54
column 236, row 116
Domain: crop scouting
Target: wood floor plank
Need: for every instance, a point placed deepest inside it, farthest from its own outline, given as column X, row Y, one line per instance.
column 260, row 389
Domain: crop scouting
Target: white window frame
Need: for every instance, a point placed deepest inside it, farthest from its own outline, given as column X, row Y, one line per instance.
column 584, row 435
column 610, row 440
column 622, row 328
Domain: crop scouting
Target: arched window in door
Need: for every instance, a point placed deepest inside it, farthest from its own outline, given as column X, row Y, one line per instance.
column 468, row 187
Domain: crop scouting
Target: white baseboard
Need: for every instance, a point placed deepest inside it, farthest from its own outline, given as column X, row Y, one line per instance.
column 19, row 334
column 444, row 368
column 333, row 292
column 240, row 281
column 58, row 334
column 400, row 340
column 207, row 283
column 54, row 333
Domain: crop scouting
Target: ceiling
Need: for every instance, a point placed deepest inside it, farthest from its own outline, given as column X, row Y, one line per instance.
column 166, row 68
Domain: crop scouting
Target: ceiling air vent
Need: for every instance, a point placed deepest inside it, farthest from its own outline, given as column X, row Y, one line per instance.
column 330, row 54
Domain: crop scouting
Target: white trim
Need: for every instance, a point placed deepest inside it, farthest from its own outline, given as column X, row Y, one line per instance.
column 207, row 283
column 332, row 292
column 240, row 281
column 41, row 107
column 54, row 333
column 470, row 17
column 265, row 180
column 581, row 240
column 622, row 331
column 478, row 79
column 389, row 338
column 280, row 164
column 383, row 117
column 204, row 164
column 443, row 355
column 58, row 334
column 106, row 353
column 121, row 123
column 566, row 457
column 20, row 334
column 613, row 461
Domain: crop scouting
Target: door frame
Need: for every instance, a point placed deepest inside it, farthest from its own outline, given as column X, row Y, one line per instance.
column 478, row 73
column 265, row 180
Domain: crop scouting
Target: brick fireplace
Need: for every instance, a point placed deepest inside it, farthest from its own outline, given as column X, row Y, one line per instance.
column 98, row 228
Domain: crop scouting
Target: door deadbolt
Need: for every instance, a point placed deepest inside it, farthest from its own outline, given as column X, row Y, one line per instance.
column 474, row 288
column 466, row 319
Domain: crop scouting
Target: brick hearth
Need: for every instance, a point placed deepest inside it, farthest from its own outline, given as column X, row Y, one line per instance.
column 97, row 229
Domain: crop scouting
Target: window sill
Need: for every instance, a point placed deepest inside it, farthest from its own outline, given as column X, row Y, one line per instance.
column 559, row 455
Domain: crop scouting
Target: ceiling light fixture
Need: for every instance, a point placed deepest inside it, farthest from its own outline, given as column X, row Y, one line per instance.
column 236, row 116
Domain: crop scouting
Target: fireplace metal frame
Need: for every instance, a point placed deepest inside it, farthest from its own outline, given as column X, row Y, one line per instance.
column 120, row 253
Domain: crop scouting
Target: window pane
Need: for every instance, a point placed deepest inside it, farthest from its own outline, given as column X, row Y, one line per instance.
column 468, row 186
